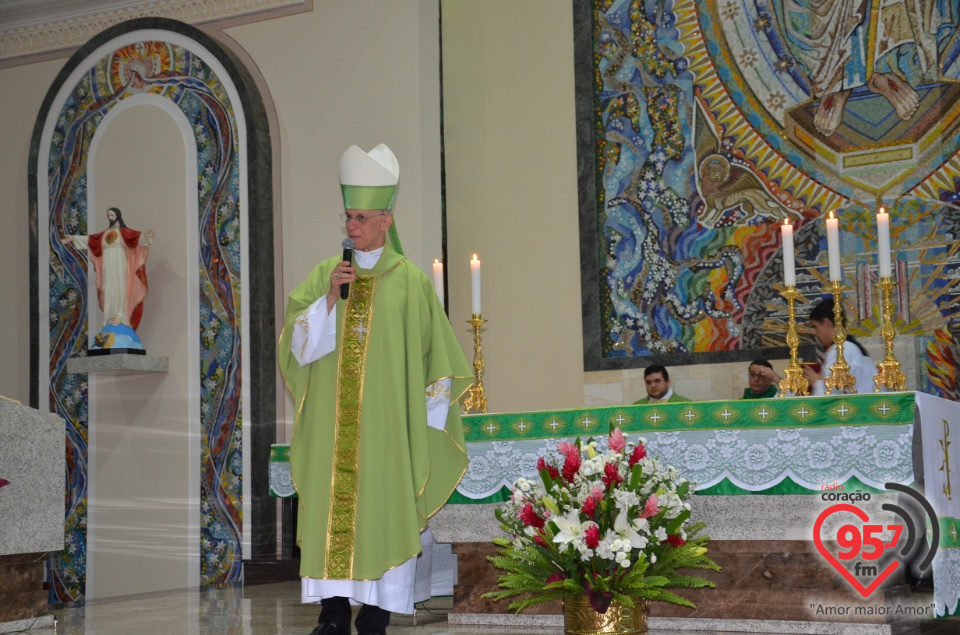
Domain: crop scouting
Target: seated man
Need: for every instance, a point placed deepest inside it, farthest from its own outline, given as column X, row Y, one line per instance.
column 657, row 380
column 763, row 380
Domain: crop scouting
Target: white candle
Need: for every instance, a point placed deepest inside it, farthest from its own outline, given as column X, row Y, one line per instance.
column 789, row 263
column 438, row 278
column 475, row 283
column 833, row 248
column 883, row 243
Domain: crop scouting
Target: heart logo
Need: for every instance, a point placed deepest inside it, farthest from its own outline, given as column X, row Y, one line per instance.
column 862, row 515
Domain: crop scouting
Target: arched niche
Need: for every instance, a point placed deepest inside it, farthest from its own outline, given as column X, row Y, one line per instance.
column 226, row 228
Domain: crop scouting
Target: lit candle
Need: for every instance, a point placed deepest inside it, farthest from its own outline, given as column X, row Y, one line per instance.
column 833, row 248
column 883, row 243
column 438, row 278
column 789, row 264
column 475, row 280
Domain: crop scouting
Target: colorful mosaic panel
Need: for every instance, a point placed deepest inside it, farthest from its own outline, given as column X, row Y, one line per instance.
column 181, row 76
column 713, row 124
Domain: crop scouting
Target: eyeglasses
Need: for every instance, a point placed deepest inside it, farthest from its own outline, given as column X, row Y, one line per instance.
column 359, row 218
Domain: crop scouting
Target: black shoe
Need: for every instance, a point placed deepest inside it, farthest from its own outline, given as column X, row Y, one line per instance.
column 326, row 628
column 382, row 632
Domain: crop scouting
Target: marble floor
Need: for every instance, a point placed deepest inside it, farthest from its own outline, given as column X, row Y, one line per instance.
column 268, row 609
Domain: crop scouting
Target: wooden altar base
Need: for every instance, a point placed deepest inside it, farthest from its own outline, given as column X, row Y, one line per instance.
column 24, row 599
column 763, row 580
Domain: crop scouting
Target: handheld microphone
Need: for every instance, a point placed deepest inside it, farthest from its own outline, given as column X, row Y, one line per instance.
column 347, row 257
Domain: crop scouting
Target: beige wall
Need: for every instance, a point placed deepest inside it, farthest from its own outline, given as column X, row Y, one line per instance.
column 350, row 73
column 22, row 90
column 512, row 195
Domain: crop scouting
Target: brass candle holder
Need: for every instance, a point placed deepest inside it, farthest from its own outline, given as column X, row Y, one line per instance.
column 889, row 374
column 840, row 377
column 794, row 381
column 476, row 397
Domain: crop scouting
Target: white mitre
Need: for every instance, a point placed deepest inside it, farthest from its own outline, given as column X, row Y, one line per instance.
column 369, row 179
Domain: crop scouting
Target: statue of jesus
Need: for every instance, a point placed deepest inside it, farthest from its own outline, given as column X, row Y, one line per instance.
column 118, row 255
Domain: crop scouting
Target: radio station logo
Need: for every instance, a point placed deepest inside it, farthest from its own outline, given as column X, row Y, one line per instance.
column 861, row 554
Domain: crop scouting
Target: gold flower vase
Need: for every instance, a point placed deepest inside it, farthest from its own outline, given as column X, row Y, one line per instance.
column 579, row 618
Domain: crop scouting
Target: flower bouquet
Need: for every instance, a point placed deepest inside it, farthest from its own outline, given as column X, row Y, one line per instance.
column 606, row 523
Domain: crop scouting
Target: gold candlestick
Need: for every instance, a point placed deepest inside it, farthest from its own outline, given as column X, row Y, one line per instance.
column 794, row 381
column 840, row 377
column 476, row 398
column 889, row 374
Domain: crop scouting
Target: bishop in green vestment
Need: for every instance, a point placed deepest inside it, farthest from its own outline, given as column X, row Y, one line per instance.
column 378, row 445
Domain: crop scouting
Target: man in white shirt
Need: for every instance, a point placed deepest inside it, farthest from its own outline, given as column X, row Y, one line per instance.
column 861, row 366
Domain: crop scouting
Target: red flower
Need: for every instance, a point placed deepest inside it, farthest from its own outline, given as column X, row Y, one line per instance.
column 551, row 469
column 676, row 540
column 556, row 577
column 571, row 465
column 3, row 482
column 540, row 541
column 611, row 474
column 600, row 601
column 592, row 536
column 639, row 452
column 530, row 518
column 589, row 506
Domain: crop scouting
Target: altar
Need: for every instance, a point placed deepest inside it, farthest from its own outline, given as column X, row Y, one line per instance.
column 762, row 468
column 32, row 465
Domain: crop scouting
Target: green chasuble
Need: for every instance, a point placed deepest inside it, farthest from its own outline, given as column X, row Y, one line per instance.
column 769, row 393
column 674, row 398
column 368, row 470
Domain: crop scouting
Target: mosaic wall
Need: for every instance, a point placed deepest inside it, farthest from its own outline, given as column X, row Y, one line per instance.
column 183, row 78
column 713, row 121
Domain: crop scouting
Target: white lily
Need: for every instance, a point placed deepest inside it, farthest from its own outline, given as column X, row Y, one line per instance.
column 569, row 527
column 627, row 532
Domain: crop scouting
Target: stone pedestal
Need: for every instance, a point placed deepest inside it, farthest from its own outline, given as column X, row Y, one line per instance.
column 32, row 465
column 119, row 364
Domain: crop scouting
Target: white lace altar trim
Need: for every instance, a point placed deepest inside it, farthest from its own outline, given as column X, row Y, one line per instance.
column 753, row 459
column 946, row 581
column 281, row 481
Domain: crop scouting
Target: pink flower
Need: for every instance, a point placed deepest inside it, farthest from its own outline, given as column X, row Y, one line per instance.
column 611, row 474
column 597, row 493
column 592, row 537
column 617, row 442
column 530, row 518
column 639, row 452
column 3, row 482
column 650, row 509
column 566, row 449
